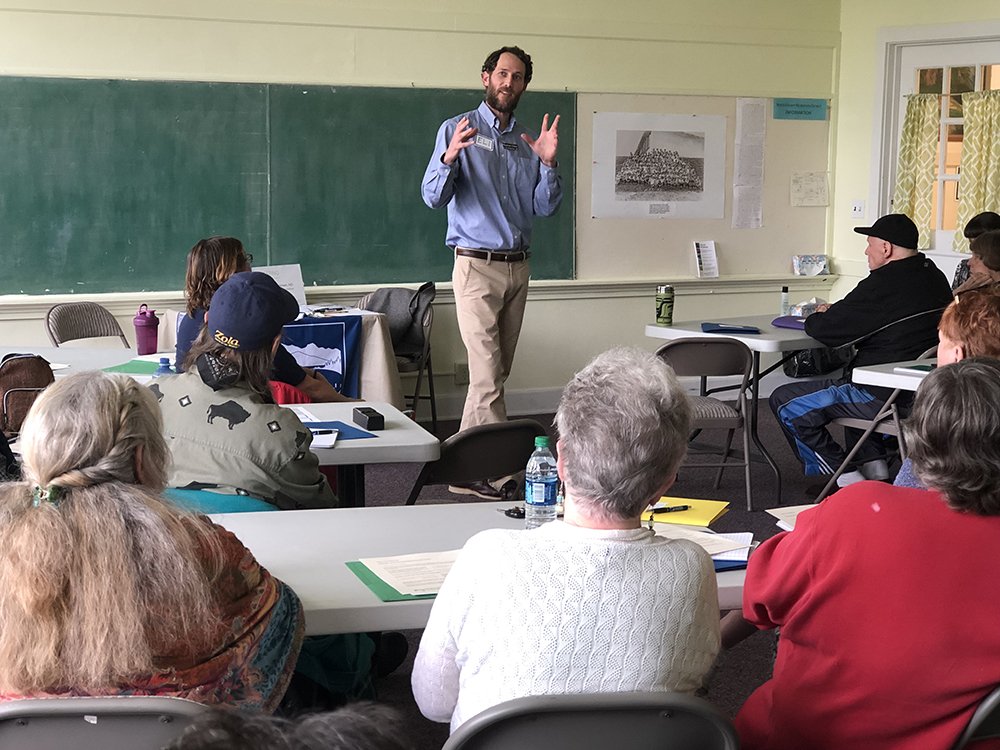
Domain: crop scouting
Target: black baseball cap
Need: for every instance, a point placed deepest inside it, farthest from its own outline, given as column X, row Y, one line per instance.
column 249, row 310
column 898, row 229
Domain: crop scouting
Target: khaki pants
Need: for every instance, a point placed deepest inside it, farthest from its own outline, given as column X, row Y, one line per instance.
column 489, row 301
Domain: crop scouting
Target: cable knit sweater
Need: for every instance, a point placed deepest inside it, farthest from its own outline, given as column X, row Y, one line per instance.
column 563, row 609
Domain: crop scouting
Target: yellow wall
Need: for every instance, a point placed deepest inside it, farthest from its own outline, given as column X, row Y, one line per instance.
column 722, row 48
column 860, row 22
column 779, row 47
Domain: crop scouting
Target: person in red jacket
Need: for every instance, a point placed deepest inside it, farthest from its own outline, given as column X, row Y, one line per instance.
column 887, row 596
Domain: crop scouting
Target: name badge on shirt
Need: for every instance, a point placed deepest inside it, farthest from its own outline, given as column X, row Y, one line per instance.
column 509, row 146
column 484, row 142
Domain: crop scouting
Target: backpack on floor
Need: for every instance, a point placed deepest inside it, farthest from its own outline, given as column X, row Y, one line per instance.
column 22, row 378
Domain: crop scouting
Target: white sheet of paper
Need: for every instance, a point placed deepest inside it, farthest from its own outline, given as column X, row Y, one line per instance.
column 809, row 189
column 751, row 120
column 288, row 277
column 706, row 259
column 58, row 366
column 326, row 440
column 155, row 357
column 741, row 554
column 749, row 167
column 303, row 413
column 747, row 207
column 786, row 516
column 714, row 544
column 421, row 573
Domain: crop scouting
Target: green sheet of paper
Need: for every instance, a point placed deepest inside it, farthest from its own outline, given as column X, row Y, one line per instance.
column 134, row 367
column 380, row 588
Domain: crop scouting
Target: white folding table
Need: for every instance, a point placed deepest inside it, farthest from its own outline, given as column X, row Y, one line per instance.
column 771, row 339
column 887, row 377
column 308, row 549
column 401, row 441
column 377, row 372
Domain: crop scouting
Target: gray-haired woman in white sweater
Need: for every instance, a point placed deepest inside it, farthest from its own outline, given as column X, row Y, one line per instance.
column 593, row 603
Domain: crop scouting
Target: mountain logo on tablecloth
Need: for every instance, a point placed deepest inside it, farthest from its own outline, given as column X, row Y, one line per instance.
column 317, row 357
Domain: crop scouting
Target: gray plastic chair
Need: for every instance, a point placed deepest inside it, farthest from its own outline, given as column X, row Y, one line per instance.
column 985, row 722
column 886, row 422
column 411, row 338
column 637, row 721
column 81, row 320
column 124, row 722
column 479, row 454
column 710, row 358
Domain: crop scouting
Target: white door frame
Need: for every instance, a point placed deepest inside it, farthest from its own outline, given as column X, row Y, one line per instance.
column 891, row 41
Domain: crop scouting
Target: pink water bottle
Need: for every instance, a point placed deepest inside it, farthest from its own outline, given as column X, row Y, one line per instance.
column 146, row 324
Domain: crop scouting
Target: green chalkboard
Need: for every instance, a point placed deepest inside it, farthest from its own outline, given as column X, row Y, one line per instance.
column 346, row 168
column 105, row 184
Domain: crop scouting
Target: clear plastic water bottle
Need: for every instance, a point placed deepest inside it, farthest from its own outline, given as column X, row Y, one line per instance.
column 540, row 483
column 164, row 368
column 785, row 307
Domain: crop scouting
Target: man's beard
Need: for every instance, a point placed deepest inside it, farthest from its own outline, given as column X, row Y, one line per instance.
column 495, row 103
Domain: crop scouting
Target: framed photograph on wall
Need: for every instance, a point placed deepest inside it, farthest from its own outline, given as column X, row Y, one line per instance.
column 658, row 166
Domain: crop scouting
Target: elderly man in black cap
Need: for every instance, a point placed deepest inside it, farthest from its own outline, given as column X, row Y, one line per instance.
column 890, row 316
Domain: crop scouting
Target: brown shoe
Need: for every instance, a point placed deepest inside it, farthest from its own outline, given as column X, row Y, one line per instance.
column 484, row 490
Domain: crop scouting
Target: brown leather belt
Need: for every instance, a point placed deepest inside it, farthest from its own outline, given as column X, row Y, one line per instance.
column 507, row 256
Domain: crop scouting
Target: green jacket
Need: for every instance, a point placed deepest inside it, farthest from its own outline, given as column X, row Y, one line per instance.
column 232, row 438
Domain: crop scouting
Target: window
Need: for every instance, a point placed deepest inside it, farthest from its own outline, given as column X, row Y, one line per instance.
column 950, row 83
column 948, row 61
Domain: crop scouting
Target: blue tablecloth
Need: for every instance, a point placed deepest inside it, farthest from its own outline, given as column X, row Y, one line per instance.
column 331, row 346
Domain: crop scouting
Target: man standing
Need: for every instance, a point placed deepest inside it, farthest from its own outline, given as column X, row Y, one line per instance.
column 495, row 177
column 891, row 315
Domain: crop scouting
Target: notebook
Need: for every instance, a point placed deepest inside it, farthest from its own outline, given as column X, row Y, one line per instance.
column 727, row 328
column 796, row 322
column 914, row 369
column 699, row 513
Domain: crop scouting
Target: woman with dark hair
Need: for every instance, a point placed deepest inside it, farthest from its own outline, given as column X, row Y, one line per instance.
column 210, row 263
column 987, row 221
column 984, row 264
column 109, row 589
column 221, row 424
column 886, row 596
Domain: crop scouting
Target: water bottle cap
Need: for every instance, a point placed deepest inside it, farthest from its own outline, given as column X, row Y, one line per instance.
column 541, row 441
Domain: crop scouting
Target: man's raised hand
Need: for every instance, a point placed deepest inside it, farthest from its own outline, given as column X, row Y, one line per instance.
column 461, row 138
column 547, row 143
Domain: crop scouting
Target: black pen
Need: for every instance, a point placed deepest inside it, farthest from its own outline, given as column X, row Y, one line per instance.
column 672, row 509
column 322, row 432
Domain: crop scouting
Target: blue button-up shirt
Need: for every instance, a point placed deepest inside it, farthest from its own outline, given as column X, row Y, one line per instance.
column 494, row 188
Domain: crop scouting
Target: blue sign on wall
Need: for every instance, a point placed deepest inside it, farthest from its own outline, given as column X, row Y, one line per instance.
column 800, row 109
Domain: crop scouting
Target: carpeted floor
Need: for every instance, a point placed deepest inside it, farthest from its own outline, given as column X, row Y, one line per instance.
column 737, row 672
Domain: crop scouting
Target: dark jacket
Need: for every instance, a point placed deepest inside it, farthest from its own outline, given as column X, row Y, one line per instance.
column 894, row 291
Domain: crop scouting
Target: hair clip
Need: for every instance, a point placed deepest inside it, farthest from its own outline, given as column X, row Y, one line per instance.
column 50, row 494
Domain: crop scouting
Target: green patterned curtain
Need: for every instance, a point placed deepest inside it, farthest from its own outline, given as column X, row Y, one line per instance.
column 914, row 191
column 979, row 183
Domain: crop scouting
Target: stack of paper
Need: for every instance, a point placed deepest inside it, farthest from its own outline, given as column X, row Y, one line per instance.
column 786, row 516
column 324, row 438
column 737, row 558
column 402, row 577
column 699, row 512
column 728, row 551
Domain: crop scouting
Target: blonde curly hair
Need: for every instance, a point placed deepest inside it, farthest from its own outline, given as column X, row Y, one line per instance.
column 100, row 573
